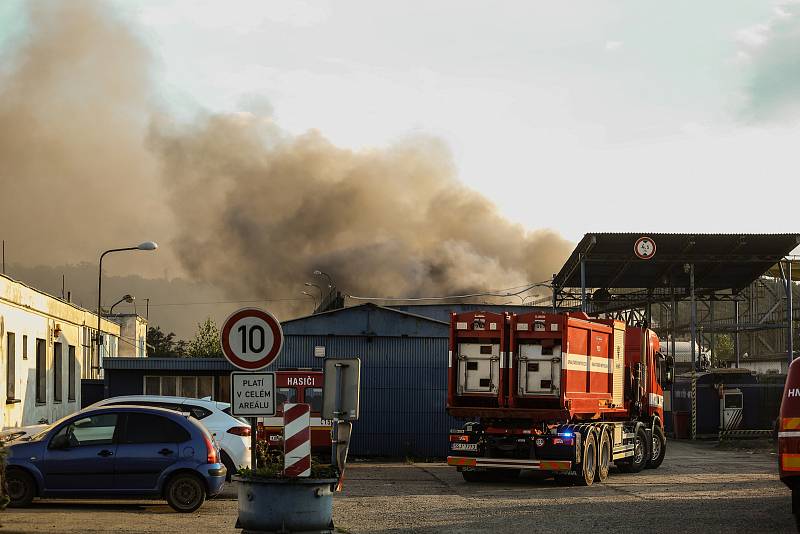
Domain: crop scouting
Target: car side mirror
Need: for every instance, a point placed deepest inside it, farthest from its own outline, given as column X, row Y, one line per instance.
column 60, row 442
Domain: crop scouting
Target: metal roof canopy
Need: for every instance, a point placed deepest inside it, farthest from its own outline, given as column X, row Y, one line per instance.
column 721, row 261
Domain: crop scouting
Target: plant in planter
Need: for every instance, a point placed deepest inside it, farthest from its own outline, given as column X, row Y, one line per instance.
column 271, row 501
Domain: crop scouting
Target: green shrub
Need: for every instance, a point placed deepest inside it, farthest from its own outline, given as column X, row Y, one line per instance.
column 270, row 465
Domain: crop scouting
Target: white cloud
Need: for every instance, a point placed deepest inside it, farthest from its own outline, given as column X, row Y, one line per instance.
column 613, row 45
column 754, row 36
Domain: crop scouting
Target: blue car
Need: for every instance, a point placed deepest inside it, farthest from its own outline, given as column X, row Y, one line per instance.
column 118, row 451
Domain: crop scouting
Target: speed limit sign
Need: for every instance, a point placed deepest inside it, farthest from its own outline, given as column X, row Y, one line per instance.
column 251, row 339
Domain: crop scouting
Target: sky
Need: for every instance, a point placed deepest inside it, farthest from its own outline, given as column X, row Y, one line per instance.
column 586, row 116
column 580, row 116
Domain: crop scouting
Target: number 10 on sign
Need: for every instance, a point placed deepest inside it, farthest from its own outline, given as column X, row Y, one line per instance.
column 251, row 339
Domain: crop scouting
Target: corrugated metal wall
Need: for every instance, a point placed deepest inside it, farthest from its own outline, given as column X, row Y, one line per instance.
column 403, row 390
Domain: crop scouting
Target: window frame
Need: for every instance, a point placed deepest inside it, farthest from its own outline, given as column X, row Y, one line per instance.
column 41, row 372
column 279, row 406
column 321, row 397
column 114, row 436
column 11, row 368
column 123, row 434
column 58, row 372
column 72, row 368
column 179, row 379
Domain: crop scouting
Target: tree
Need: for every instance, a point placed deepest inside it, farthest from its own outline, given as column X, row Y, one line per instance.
column 206, row 341
column 161, row 345
column 723, row 348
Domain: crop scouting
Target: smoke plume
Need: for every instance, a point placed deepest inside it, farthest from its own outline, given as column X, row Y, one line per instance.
column 272, row 208
column 90, row 162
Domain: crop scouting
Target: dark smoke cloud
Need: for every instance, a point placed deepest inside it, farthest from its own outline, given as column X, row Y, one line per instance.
column 88, row 161
column 74, row 107
column 272, row 207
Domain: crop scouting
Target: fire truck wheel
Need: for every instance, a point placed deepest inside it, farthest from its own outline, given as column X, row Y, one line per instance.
column 659, row 449
column 641, row 453
column 603, row 457
column 588, row 461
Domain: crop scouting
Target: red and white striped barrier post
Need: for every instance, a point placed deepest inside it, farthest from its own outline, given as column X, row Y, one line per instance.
column 297, row 440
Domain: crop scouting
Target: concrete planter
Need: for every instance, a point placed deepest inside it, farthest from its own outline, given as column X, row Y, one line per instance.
column 285, row 505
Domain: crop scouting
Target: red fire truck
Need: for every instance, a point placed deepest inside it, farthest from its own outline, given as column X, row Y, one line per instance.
column 789, row 437
column 560, row 393
column 298, row 385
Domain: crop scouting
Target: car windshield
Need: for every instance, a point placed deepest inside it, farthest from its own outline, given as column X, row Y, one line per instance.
column 39, row 435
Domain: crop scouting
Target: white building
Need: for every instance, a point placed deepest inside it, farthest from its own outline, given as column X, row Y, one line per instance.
column 132, row 335
column 46, row 346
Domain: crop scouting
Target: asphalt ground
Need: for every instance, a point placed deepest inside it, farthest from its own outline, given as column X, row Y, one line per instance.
column 699, row 488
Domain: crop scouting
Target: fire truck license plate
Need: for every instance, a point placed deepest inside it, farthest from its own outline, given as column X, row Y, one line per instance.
column 465, row 447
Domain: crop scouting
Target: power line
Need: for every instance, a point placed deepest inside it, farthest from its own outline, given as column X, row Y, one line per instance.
column 152, row 304
column 493, row 293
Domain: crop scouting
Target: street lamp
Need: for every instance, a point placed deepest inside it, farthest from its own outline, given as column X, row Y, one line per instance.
column 306, row 293
column 127, row 298
column 309, row 284
column 331, row 285
column 147, row 245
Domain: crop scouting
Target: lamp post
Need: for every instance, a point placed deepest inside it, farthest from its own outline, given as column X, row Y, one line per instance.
column 331, row 285
column 309, row 284
column 127, row 298
column 147, row 245
column 306, row 293
column 331, row 289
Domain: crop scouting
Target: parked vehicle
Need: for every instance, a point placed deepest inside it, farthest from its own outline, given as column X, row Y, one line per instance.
column 232, row 434
column 298, row 385
column 118, row 451
column 789, row 437
column 560, row 393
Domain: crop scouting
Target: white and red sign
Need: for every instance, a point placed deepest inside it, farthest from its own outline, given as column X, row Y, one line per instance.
column 253, row 394
column 297, row 440
column 645, row 248
column 251, row 339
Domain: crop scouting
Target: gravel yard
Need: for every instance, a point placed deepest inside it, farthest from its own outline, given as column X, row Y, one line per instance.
column 699, row 488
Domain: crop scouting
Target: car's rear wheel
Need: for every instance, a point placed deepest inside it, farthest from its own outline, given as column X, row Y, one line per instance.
column 21, row 488
column 185, row 492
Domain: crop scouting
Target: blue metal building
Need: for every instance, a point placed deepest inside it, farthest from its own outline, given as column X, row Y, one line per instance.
column 403, row 375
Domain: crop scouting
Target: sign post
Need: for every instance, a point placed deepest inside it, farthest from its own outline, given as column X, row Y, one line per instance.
column 251, row 340
column 341, row 403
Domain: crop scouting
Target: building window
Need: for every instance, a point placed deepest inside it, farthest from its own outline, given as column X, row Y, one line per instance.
column 205, row 387
column 86, row 353
column 11, row 367
column 58, row 372
column 41, row 371
column 24, row 347
column 222, row 391
column 71, row 373
column 189, row 386
column 169, row 386
column 195, row 387
column 152, row 385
